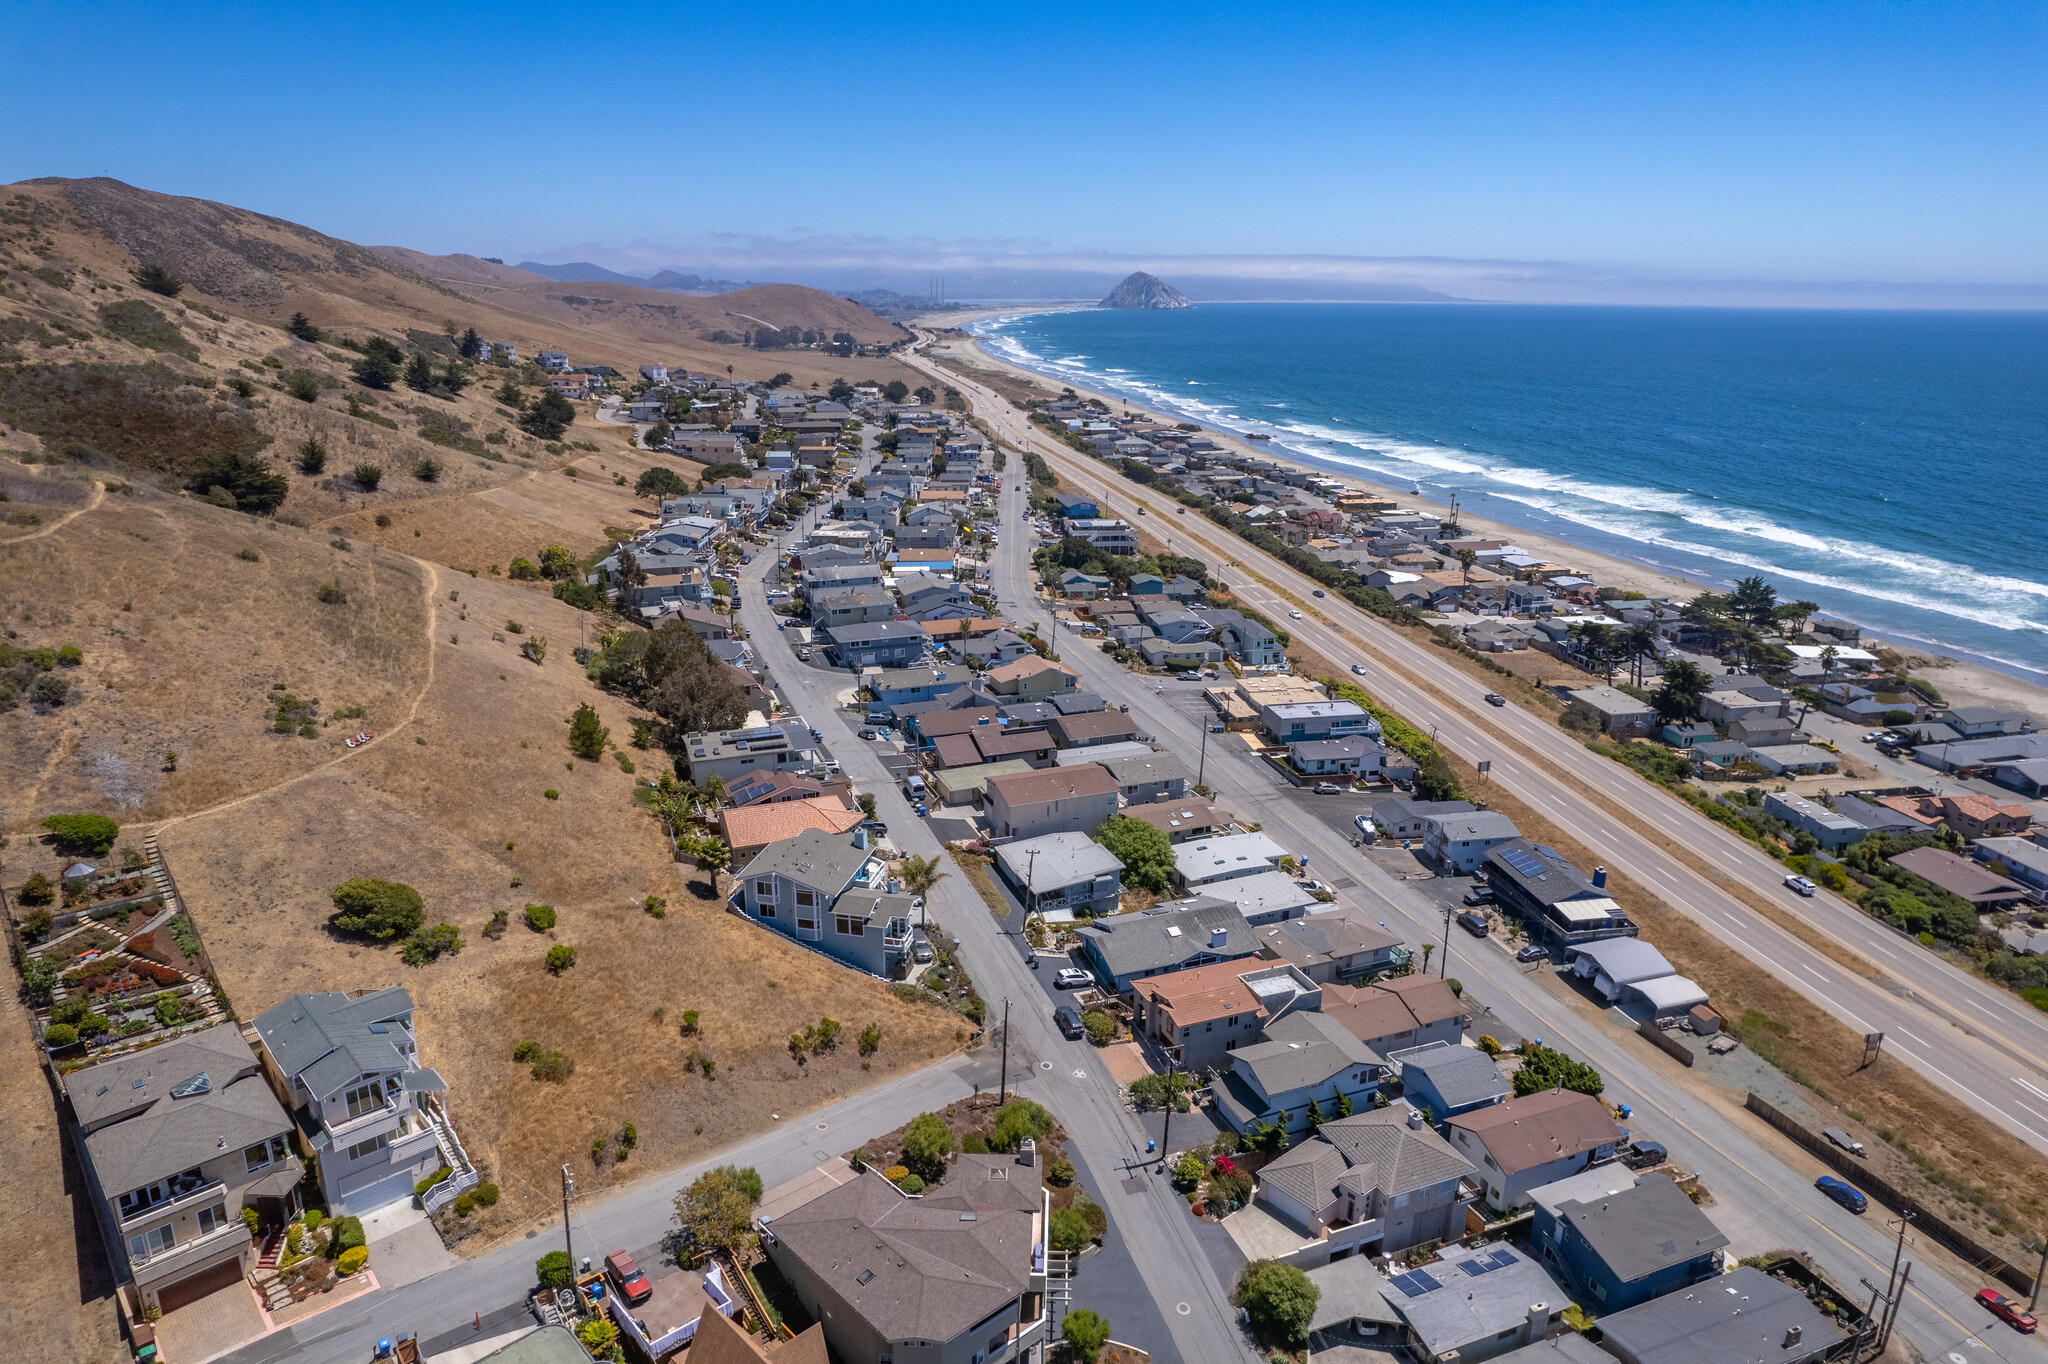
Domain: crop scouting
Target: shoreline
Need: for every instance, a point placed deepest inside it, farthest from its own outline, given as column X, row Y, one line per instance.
column 1963, row 681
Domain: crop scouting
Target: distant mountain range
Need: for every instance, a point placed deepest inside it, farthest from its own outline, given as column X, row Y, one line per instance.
column 583, row 272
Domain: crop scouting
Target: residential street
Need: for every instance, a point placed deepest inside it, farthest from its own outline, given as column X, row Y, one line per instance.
column 1969, row 1038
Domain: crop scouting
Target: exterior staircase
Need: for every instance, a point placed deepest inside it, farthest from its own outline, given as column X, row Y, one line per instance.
column 272, row 1252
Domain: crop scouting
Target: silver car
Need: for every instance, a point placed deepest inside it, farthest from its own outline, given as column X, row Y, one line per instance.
column 1072, row 978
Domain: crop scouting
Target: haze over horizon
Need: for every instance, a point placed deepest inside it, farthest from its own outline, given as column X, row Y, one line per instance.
column 1856, row 155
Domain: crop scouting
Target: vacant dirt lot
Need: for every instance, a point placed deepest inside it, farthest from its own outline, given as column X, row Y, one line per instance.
column 183, row 641
column 455, row 806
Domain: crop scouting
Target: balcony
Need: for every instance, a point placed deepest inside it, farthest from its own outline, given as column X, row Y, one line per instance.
column 193, row 1254
column 896, row 936
column 183, row 1193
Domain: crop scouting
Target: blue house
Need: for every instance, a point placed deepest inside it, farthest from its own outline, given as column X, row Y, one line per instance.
column 1147, row 585
column 878, row 644
column 1620, row 1239
column 1686, row 735
column 1073, row 506
column 907, row 686
column 1448, row 1079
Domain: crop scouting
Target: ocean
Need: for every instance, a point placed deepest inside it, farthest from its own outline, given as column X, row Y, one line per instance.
column 1891, row 466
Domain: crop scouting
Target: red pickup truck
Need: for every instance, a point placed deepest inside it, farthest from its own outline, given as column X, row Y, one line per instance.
column 627, row 1278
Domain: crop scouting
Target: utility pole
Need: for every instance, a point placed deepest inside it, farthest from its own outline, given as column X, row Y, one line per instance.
column 1166, row 1131
column 1202, row 768
column 1891, row 1315
column 568, row 1187
column 1444, row 964
column 1897, row 1254
column 1003, row 1089
column 1869, row 1317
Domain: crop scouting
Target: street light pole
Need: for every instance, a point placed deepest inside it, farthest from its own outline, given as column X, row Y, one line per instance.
column 1166, row 1131
column 1003, row 1087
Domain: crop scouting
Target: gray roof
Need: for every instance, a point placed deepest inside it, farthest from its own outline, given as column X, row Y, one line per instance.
column 1470, row 1308
column 1130, row 944
column 1352, row 746
column 1460, row 1075
column 1062, row 860
column 1302, row 1051
column 1628, row 960
column 870, row 595
column 921, row 1268
column 327, row 1040
column 1364, row 1152
column 167, row 1135
column 1034, row 714
column 1399, row 809
column 1318, row 938
column 1739, row 1318
column 1140, row 768
column 1349, row 1290
column 1480, row 824
column 1644, row 1230
column 1077, row 703
column 877, row 632
column 815, row 858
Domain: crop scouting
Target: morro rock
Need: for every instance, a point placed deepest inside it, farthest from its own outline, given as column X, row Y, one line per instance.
column 1140, row 290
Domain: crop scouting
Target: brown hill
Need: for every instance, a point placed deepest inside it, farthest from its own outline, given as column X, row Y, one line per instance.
column 265, row 269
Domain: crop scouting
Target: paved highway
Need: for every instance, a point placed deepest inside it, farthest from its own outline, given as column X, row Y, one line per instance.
column 1976, row 1042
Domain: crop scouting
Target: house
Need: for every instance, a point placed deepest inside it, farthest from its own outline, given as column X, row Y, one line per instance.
column 1083, row 586
column 1304, row 1068
column 552, row 360
column 1621, row 1247
column 1352, row 756
column 1247, row 641
column 1401, row 817
column 767, row 788
column 704, row 624
column 908, row 686
column 1184, row 589
column 1974, row 816
column 1068, row 871
column 1621, row 715
column 1399, row 1013
column 969, row 785
column 1055, row 800
column 2023, row 859
column 827, row 889
column 1445, row 1079
column 939, row 533
column 878, row 644
column 1197, row 1018
column 1833, row 831
column 178, row 1139
column 1183, row 819
column 1477, row 1304
column 1978, row 722
column 1366, row 1185
column 1107, row 533
column 993, row 650
column 1961, row 877
column 926, row 727
column 852, row 606
column 750, row 828
column 1554, row 899
column 371, row 1118
column 826, row 577
column 1353, row 1323
column 734, row 754
column 1031, row 678
column 1000, row 743
column 1164, row 653
column 1687, row 734
column 1076, row 507
column 1143, row 779
column 1875, row 816
column 1768, row 731
column 1147, row 585
column 1093, row 729
column 1264, row 898
column 1203, row 861
column 1794, row 760
column 1726, row 707
column 1525, row 1143
column 1128, row 948
column 1291, row 722
column 1326, row 947
column 1460, row 843
column 1747, row 1317
column 955, row 1275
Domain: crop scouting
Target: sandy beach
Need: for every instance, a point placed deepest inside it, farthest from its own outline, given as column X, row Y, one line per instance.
column 1962, row 683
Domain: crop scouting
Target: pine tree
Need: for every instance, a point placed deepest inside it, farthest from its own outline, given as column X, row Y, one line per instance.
column 471, row 344
column 587, row 735
column 300, row 327
column 419, row 373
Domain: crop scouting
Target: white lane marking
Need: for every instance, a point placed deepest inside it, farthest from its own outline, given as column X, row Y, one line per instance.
column 1915, row 1036
column 1980, row 1008
column 1847, row 1016
column 1811, row 972
column 1667, row 876
column 1886, row 950
column 2043, row 1093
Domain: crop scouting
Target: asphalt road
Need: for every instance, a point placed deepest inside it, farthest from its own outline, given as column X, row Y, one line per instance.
column 1764, row 1187
column 1973, row 1040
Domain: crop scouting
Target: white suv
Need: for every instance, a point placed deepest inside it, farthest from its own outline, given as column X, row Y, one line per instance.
column 1801, row 884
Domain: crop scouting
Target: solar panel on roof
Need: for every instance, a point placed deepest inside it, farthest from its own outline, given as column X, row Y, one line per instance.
column 1502, row 1258
column 1475, row 1268
column 1522, row 861
column 1416, row 1283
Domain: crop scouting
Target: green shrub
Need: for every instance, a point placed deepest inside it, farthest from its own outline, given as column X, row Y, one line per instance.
column 426, row 470
column 465, row 1203
column 348, row 1235
column 486, row 1194
column 37, row 890
column 540, row 918
column 377, row 909
column 314, row 1217
column 1069, row 1230
column 526, row 1051
column 552, row 794
column 426, row 944
column 553, row 1270
column 1100, row 1026
column 368, row 475
column 141, row 325
column 70, row 656
column 560, row 958
column 927, row 1141
column 1278, row 1298
column 351, row 1260
column 1059, row 1171
column 157, row 280
column 910, row 1184
column 587, row 734
column 431, row 1180
column 83, row 835
column 552, row 1066
column 1018, row 1119
column 60, row 1035
column 974, row 1144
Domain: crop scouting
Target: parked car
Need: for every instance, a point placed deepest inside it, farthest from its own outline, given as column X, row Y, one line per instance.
column 1532, row 953
column 1801, row 884
column 2007, row 1310
column 1848, row 1195
column 1327, row 788
column 868, row 734
column 746, row 558
column 1479, row 895
column 1642, row 1155
column 1069, row 1019
column 1072, row 978
column 921, row 951
column 1474, row 924
column 1494, row 698
column 627, row 1278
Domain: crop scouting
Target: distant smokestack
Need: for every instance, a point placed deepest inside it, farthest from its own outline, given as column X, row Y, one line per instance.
column 1600, row 878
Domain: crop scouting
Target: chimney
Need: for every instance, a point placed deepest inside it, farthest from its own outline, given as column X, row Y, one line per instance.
column 1539, row 1321
column 1600, row 878
column 1415, row 1118
column 1792, row 1335
column 1219, row 937
column 860, row 839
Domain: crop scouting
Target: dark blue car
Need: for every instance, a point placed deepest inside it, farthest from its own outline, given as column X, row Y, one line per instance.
column 1847, row 1195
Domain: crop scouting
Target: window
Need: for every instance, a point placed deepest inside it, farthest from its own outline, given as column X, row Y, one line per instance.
column 256, row 1157
column 141, row 1200
column 766, row 907
column 214, row 1218
column 850, row 925
column 806, row 899
column 370, row 1147
column 152, row 1242
column 364, row 1098
column 765, row 889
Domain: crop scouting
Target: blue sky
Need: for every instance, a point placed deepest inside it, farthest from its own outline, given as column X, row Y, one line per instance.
column 1770, row 141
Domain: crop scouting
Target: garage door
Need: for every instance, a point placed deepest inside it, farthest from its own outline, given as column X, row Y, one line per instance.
column 206, row 1281
column 382, row 1194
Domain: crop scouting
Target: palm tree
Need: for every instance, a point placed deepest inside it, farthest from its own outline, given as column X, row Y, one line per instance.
column 1467, row 556
column 920, row 874
column 1641, row 643
column 1827, row 660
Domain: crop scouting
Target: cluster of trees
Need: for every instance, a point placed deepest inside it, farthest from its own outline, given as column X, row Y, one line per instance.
column 1144, row 849
column 1547, row 1068
column 716, row 1212
column 1897, row 896
column 674, row 674
column 238, row 481
column 368, row 907
column 82, row 835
